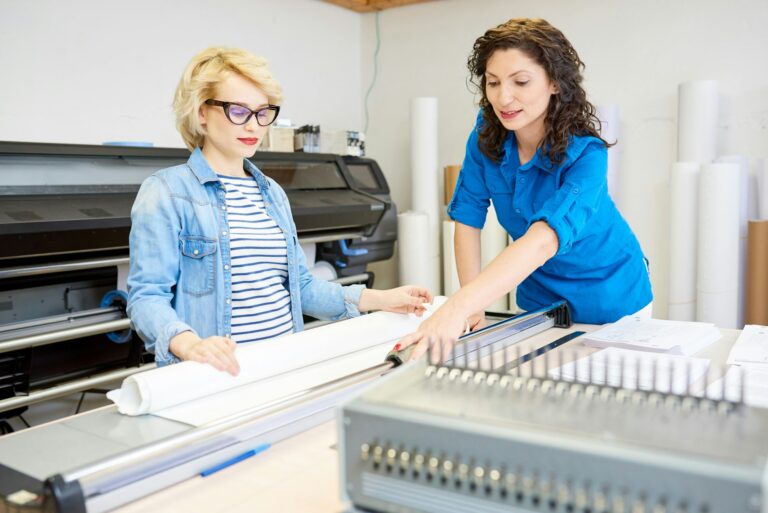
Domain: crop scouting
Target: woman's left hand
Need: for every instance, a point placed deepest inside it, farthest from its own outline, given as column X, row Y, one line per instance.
column 439, row 332
column 405, row 299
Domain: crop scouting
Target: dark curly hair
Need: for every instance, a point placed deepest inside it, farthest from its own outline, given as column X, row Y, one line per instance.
column 569, row 113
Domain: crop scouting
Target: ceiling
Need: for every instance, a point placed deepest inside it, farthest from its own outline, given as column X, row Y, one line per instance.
column 373, row 5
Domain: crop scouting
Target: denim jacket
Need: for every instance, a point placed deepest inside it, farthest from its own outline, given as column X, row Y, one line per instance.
column 180, row 279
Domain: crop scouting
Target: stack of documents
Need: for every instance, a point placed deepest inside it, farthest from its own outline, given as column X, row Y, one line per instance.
column 636, row 370
column 657, row 335
column 751, row 346
column 747, row 377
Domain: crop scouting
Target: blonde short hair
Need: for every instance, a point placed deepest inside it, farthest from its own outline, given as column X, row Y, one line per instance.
column 204, row 72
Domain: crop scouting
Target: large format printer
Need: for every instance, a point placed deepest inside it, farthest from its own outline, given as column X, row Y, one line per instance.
column 64, row 225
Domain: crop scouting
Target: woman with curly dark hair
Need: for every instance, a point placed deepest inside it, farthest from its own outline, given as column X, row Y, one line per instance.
column 537, row 154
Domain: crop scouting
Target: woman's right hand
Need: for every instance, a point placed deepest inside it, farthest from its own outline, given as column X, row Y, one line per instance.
column 216, row 351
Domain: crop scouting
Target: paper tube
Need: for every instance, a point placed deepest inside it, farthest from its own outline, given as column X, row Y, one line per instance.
column 416, row 266
column 512, row 298
column 450, row 177
column 718, row 245
column 425, row 174
column 450, row 273
column 609, row 130
column 493, row 240
column 683, row 213
column 697, row 116
column 744, row 191
column 762, row 189
column 757, row 273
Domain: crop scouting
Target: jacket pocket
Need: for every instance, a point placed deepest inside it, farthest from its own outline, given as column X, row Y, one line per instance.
column 198, row 264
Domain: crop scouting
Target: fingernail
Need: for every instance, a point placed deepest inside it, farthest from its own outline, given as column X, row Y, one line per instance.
column 397, row 347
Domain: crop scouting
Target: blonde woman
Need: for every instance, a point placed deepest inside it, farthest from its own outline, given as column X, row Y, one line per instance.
column 215, row 258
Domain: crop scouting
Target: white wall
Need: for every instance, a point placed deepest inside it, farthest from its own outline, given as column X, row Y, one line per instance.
column 88, row 71
column 636, row 54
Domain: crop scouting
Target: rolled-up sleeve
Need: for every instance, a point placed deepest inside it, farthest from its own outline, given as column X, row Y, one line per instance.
column 469, row 204
column 576, row 201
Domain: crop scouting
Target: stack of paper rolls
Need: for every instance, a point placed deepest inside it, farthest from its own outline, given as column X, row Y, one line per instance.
column 718, row 255
column 683, row 235
column 450, row 273
column 425, row 181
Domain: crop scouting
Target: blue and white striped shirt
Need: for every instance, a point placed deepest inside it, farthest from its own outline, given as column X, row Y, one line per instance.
column 261, row 304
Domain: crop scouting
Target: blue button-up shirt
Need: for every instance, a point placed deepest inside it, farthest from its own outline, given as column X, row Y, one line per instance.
column 180, row 270
column 599, row 267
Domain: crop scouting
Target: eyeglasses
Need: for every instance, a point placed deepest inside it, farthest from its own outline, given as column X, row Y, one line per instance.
column 239, row 114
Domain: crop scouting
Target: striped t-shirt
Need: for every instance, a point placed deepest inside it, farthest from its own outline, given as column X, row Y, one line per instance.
column 261, row 304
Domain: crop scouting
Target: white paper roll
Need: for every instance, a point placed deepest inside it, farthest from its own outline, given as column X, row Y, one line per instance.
column 165, row 387
column 323, row 270
column 493, row 240
column 450, row 273
column 416, row 265
column 609, row 130
column 425, row 174
column 310, row 252
column 762, row 188
column 683, row 233
column 512, row 298
column 744, row 192
column 697, row 116
column 718, row 245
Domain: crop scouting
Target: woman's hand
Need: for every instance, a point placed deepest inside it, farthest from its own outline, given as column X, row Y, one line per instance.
column 405, row 299
column 440, row 332
column 216, row 351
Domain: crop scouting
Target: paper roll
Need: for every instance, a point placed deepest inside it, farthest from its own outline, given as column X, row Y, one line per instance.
column 683, row 206
column 762, row 189
column 609, row 130
column 425, row 175
column 493, row 240
column 450, row 177
column 416, row 265
column 165, row 387
column 757, row 273
column 744, row 191
column 310, row 252
column 512, row 297
column 718, row 245
column 450, row 273
column 323, row 271
column 697, row 116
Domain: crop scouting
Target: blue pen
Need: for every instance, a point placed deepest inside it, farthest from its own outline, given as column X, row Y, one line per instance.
column 240, row 457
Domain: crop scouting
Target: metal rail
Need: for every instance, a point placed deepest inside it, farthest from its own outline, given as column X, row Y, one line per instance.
column 78, row 265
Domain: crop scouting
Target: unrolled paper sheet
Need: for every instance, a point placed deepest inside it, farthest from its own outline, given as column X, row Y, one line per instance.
column 609, row 130
column 493, row 240
column 683, row 232
column 697, row 117
column 416, row 265
column 718, row 245
column 450, row 273
column 425, row 173
column 757, row 273
column 159, row 389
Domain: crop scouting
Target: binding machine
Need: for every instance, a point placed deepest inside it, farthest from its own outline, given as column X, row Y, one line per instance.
column 504, row 431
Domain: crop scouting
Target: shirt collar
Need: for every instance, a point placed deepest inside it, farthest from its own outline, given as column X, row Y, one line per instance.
column 203, row 172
